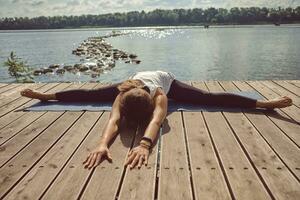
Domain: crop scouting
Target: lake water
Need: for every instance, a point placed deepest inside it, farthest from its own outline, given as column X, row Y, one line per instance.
column 218, row 53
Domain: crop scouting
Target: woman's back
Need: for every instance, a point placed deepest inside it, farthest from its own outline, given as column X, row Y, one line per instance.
column 154, row 80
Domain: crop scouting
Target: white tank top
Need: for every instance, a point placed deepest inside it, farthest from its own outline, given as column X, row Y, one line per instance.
column 154, row 80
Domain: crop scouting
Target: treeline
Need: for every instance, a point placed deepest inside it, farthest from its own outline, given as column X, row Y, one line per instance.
column 196, row 16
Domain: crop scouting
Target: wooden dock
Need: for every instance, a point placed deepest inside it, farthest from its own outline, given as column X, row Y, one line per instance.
column 199, row 155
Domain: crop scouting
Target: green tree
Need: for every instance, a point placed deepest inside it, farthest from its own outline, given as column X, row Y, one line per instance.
column 18, row 69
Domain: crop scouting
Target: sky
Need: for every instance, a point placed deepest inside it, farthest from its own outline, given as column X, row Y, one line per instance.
column 33, row 8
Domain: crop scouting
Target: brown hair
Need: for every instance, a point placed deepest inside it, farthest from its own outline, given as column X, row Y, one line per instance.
column 136, row 105
column 130, row 84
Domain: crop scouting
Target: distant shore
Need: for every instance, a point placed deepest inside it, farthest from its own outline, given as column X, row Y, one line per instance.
column 160, row 17
column 190, row 26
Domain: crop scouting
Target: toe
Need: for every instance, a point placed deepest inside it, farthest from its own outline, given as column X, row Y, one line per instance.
column 26, row 92
column 286, row 101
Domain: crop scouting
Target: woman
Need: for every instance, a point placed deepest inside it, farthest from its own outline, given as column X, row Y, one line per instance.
column 144, row 96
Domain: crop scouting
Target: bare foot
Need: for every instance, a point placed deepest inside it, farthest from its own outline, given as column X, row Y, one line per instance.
column 279, row 102
column 32, row 94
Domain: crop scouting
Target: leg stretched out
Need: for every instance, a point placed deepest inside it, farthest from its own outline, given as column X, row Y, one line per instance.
column 106, row 93
column 186, row 93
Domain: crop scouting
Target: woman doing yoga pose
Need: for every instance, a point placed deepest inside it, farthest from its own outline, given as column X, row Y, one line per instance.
column 144, row 96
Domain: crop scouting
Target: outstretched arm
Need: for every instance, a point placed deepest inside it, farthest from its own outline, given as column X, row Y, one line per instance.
column 139, row 155
column 112, row 125
column 109, row 132
column 159, row 114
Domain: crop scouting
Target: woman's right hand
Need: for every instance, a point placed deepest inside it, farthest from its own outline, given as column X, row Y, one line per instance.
column 95, row 157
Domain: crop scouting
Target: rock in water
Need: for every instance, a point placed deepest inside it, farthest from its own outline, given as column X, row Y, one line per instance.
column 100, row 64
column 132, row 56
column 98, row 50
column 45, row 71
column 124, row 56
column 60, row 71
column 136, row 61
column 97, row 69
column 90, row 64
column 83, row 68
column 77, row 66
column 54, row 66
column 111, row 64
column 95, row 75
column 68, row 67
column 37, row 72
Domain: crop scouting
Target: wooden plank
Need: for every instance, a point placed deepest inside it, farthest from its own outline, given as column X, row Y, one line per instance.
column 15, row 144
column 295, row 82
column 290, row 87
column 284, row 147
column 37, row 180
column 21, row 101
column 23, row 162
column 291, row 111
column 107, row 177
column 73, row 171
column 12, row 129
column 28, row 157
column 3, row 85
column 9, row 87
column 8, row 100
column 12, row 116
column 207, row 175
column 267, row 163
column 174, row 181
column 283, row 121
column 245, row 184
column 78, row 175
column 282, row 92
column 131, row 186
column 28, row 134
column 58, row 88
column 279, row 180
column 14, row 94
column 18, row 125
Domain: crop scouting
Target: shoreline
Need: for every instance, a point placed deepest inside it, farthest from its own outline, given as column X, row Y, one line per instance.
column 191, row 26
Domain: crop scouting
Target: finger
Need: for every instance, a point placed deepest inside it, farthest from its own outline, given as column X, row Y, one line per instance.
column 129, row 160
column 89, row 160
column 98, row 159
column 130, row 152
column 86, row 159
column 146, row 160
column 23, row 91
column 92, row 161
column 109, row 156
column 141, row 160
column 134, row 162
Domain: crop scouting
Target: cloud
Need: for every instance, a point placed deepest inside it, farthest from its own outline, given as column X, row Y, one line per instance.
column 15, row 1
column 73, row 3
column 262, row 3
column 37, row 3
column 31, row 8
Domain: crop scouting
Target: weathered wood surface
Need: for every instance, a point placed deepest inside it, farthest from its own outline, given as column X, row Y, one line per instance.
column 198, row 155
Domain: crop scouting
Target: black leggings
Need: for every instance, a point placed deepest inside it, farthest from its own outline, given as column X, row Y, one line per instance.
column 179, row 91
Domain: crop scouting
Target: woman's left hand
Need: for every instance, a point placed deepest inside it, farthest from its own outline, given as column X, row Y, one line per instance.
column 137, row 156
